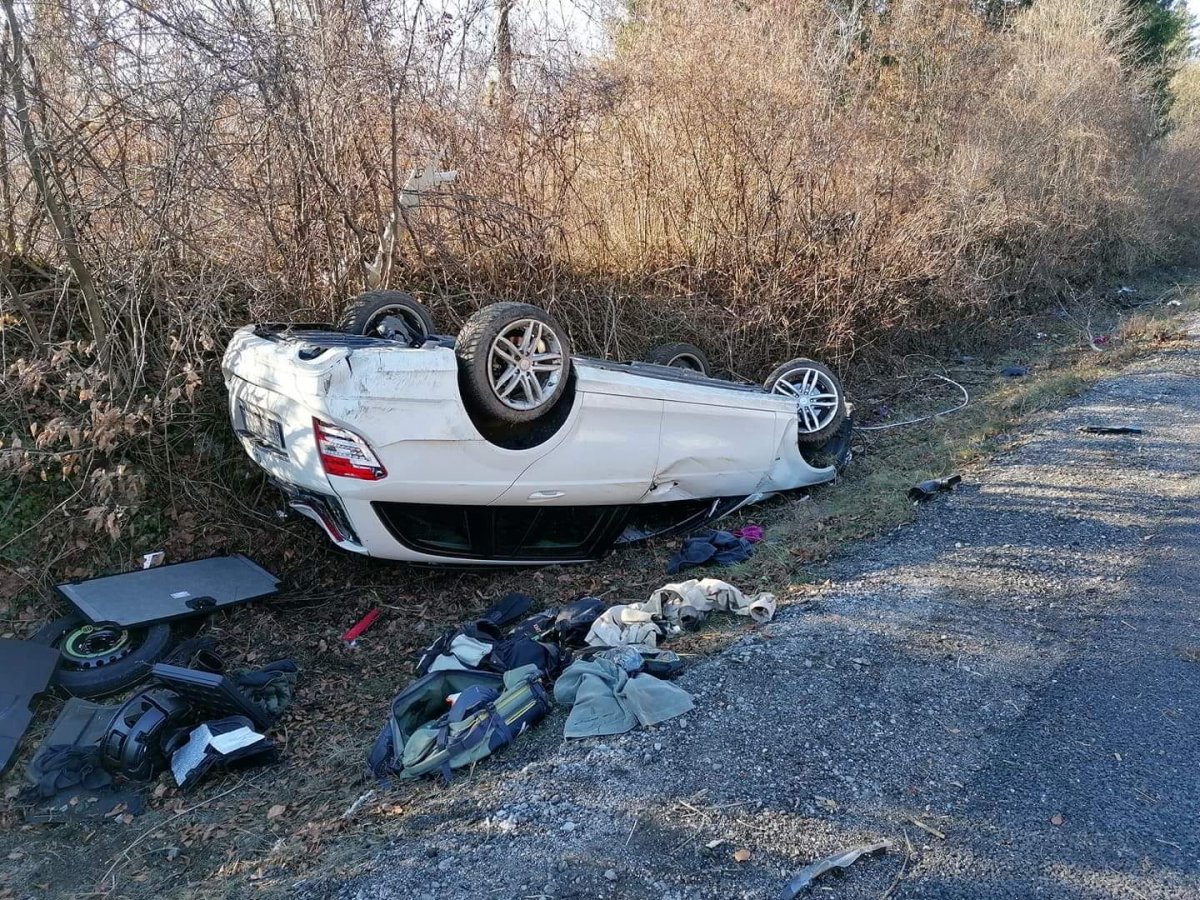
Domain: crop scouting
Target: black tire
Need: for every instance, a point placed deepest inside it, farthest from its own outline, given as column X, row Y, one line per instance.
column 127, row 662
column 808, row 436
column 368, row 314
column 482, row 373
column 680, row 356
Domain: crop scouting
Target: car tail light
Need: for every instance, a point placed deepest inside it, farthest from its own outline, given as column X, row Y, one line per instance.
column 344, row 453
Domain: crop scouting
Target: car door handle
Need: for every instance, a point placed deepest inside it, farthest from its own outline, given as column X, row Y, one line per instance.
column 545, row 495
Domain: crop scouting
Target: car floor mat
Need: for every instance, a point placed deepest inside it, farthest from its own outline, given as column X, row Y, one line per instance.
column 25, row 670
column 79, row 724
column 166, row 593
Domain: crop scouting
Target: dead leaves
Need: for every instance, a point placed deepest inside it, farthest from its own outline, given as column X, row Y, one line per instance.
column 276, row 811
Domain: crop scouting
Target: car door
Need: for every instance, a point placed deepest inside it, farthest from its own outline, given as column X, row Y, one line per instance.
column 608, row 457
column 710, row 450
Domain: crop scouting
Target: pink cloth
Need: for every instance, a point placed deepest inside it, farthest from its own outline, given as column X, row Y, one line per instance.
column 751, row 533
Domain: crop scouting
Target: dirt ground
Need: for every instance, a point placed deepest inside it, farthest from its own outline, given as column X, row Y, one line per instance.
column 316, row 820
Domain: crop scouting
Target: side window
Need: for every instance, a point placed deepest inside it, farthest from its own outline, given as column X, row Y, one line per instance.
column 429, row 527
column 548, row 532
column 564, row 528
column 510, row 525
column 504, row 532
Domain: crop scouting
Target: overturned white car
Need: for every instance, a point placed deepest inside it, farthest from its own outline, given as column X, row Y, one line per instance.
column 500, row 447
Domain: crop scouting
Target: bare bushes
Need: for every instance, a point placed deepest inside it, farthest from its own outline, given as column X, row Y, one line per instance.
column 1177, row 171
column 1049, row 176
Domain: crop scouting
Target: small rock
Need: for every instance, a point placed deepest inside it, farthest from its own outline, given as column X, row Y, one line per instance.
column 610, row 874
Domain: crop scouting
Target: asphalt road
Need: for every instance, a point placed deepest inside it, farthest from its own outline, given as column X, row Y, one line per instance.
column 1006, row 689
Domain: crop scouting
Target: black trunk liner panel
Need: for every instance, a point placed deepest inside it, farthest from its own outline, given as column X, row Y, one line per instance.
column 165, row 593
column 25, row 670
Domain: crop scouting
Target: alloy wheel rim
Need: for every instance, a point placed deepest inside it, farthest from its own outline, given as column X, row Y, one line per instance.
column 92, row 646
column 525, row 364
column 817, row 398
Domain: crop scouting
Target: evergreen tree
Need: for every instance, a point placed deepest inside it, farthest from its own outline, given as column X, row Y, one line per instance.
column 1161, row 43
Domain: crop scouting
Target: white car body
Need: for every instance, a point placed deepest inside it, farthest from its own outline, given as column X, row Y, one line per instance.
column 633, row 435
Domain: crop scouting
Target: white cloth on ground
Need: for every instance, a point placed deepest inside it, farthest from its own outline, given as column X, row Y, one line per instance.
column 690, row 600
column 683, row 604
column 624, row 624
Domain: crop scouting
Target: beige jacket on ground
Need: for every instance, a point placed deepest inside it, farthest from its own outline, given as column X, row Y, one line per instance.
column 683, row 604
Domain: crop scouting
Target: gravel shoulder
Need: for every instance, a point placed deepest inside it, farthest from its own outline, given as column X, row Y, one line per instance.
column 1004, row 689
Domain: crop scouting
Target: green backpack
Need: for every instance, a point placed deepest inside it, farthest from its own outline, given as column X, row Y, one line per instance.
column 424, row 735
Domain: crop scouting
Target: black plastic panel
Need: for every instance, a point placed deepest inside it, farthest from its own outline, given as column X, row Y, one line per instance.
column 214, row 695
column 25, row 670
column 165, row 593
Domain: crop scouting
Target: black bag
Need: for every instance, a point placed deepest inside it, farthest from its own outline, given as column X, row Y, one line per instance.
column 566, row 625
column 507, row 652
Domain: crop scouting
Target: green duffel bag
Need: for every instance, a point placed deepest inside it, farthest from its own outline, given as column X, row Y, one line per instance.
column 424, row 737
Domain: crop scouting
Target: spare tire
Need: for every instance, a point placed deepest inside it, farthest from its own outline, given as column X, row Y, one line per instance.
column 514, row 361
column 388, row 314
column 94, row 660
column 680, row 356
column 820, row 401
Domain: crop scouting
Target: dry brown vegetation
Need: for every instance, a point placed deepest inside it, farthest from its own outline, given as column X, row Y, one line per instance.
column 761, row 178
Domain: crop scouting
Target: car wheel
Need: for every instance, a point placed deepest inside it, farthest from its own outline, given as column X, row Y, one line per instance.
column 94, row 660
column 680, row 356
column 514, row 360
column 388, row 314
column 820, row 400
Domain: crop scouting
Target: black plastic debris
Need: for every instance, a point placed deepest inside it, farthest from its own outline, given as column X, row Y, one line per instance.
column 84, row 806
column 132, row 745
column 66, row 779
column 80, row 724
column 840, row 860
column 931, row 488
column 166, row 593
column 25, row 670
column 213, row 695
column 1015, row 371
column 1111, row 429
column 224, row 744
